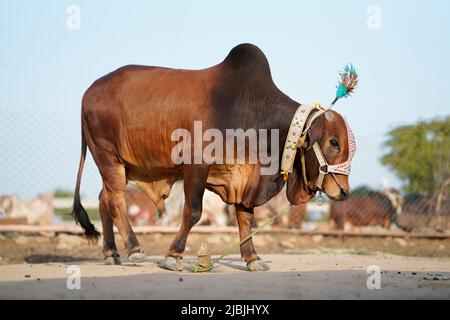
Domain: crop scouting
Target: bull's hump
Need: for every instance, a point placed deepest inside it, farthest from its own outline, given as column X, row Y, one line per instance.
column 247, row 57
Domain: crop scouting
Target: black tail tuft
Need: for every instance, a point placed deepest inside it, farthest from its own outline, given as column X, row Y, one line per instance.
column 81, row 217
column 78, row 213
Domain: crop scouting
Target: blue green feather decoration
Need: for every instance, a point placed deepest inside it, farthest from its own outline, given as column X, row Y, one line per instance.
column 349, row 80
column 341, row 92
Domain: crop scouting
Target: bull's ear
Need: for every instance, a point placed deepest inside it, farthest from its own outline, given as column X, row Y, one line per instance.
column 296, row 192
column 315, row 132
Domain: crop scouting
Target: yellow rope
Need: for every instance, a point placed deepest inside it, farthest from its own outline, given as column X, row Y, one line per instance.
column 197, row 267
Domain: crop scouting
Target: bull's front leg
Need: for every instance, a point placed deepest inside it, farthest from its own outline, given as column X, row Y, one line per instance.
column 194, row 187
column 248, row 253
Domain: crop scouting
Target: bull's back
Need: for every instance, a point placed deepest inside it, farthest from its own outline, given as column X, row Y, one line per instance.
column 361, row 211
column 135, row 109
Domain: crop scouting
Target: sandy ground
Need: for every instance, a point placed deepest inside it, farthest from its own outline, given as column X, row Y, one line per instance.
column 302, row 267
column 292, row 276
column 65, row 248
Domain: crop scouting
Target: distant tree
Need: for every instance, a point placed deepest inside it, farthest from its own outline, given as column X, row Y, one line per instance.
column 62, row 193
column 362, row 191
column 420, row 155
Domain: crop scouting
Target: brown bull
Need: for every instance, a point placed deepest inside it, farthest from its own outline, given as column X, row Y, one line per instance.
column 129, row 115
column 375, row 209
column 294, row 218
column 141, row 210
column 424, row 212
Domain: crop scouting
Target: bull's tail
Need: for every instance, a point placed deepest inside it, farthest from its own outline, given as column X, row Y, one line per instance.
column 79, row 213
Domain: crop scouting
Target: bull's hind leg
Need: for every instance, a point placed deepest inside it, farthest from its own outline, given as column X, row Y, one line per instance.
column 339, row 221
column 113, row 200
column 248, row 253
column 194, row 188
column 109, row 245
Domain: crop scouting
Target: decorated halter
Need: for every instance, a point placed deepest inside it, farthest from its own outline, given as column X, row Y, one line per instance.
column 342, row 168
column 298, row 130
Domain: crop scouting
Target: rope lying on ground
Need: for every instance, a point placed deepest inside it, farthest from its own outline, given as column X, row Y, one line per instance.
column 198, row 267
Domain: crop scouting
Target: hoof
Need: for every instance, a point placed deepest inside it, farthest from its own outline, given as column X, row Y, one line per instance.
column 257, row 265
column 112, row 260
column 137, row 257
column 173, row 264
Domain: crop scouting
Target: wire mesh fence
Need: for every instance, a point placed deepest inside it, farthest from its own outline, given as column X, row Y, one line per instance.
column 40, row 154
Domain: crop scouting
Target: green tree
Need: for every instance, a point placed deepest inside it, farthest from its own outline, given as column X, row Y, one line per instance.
column 62, row 193
column 420, row 154
column 362, row 191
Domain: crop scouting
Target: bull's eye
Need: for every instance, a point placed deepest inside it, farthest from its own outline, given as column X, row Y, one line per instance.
column 334, row 144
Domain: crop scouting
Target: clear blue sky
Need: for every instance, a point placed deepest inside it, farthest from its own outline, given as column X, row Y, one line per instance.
column 45, row 67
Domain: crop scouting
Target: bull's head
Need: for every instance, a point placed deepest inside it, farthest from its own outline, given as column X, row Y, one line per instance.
column 328, row 151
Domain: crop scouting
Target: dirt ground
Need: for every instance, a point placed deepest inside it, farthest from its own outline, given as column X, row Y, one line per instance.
column 66, row 248
column 301, row 267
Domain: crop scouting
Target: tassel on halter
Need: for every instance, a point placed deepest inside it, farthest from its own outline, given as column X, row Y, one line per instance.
column 347, row 83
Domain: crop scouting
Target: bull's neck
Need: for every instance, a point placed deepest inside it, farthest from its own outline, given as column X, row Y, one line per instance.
column 283, row 113
column 281, row 119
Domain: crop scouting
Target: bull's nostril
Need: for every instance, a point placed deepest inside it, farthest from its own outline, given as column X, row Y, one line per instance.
column 344, row 194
